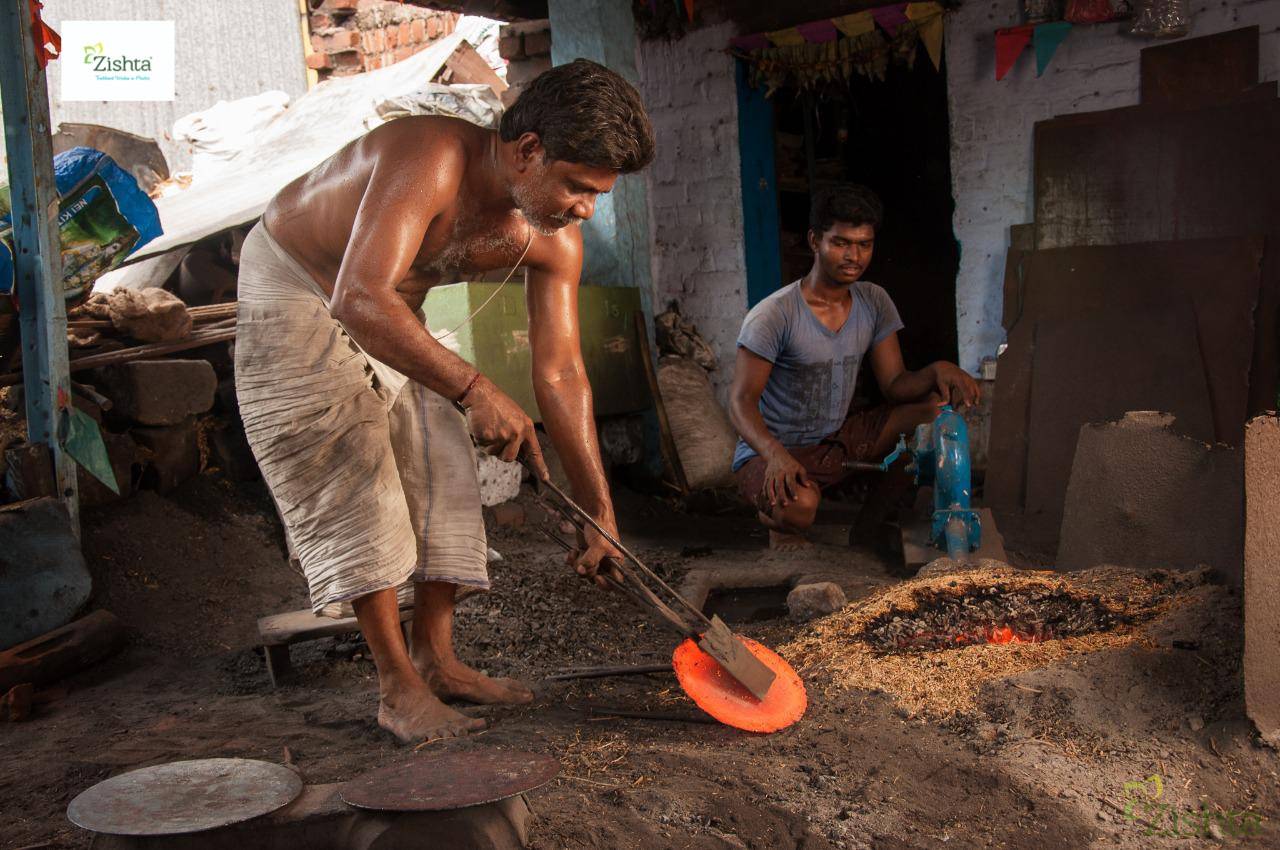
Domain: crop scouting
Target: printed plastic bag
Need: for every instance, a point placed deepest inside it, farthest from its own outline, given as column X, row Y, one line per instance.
column 103, row 217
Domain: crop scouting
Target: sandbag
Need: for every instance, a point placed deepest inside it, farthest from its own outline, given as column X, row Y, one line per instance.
column 703, row 435
column 103, row 217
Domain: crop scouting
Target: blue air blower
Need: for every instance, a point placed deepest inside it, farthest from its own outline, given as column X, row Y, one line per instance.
column 940, row 458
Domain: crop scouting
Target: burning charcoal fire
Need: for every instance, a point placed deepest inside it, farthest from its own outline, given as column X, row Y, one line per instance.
column 945, row 619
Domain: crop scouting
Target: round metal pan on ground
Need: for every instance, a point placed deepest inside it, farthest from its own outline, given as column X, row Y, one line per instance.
column 184, row 796
column 448, row 781
column 720, row 695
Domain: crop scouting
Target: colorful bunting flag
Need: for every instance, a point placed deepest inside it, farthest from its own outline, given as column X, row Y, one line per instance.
column 818, row 32
column 855, row 25
column 1046, row 40
column 890, row 17
column 1010, row 43
column 928, row 18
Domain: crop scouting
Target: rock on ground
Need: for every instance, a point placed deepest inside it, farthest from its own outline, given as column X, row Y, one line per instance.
column 807, row 601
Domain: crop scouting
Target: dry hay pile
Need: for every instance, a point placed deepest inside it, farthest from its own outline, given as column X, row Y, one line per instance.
column 845, row 651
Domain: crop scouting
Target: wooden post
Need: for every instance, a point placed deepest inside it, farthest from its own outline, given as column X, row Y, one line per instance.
column 37, row 248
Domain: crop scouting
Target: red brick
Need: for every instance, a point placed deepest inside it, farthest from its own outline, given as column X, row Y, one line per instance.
column 340, row 4
column 434, row 27
column 537, row 44
column 417, row 30
column 336, row 40
column 403, row 33
column 392, row 37
column 347, row 60
column 318, row 61
column 321, row 21
column 509, row 47
column 403, row 52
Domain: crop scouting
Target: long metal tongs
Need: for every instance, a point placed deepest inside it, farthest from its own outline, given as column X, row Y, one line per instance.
column 712, row 635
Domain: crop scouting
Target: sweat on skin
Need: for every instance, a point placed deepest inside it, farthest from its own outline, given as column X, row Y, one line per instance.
column 418, row 202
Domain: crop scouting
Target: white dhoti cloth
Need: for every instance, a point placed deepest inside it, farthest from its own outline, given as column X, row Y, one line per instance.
column 374, row 475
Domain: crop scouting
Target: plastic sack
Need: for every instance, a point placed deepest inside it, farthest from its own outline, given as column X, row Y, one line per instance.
column 1089, row 11
column 103, row 217
column 703, row 435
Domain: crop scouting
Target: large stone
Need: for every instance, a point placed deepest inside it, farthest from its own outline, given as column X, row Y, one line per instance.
column 499, row 480
column 158, row 392
column 1141, row 495
column 175, row 454
column 807, row 601
column 43, row 577
column 1262, row 576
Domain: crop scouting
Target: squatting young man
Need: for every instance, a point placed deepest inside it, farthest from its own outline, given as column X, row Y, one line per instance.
column 799, row 352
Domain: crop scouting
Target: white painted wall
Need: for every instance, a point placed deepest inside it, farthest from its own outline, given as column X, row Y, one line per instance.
column 695, row 191
column 991, row 129
column 224, row 50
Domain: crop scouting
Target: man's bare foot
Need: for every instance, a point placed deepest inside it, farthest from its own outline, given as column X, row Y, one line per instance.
column 416, row 714
column 782, row 542
column 454, row 681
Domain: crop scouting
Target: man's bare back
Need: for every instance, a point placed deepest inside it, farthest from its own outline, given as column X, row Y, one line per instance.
column 312, row 217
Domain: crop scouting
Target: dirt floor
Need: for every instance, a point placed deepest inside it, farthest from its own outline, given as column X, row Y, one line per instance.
column 1035, row 753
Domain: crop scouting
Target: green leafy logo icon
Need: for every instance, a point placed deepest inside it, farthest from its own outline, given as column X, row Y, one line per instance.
column 91, row 50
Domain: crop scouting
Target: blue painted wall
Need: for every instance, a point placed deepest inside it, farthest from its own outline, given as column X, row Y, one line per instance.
column 616, row 239
column 759, row 192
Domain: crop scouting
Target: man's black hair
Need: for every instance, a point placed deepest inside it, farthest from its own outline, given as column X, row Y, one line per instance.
column 847, row 203
column 583, row 113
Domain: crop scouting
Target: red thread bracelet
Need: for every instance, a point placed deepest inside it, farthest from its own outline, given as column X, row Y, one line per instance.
column 470, row 385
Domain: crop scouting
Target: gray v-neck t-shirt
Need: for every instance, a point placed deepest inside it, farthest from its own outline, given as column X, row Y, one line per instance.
column 815, row 369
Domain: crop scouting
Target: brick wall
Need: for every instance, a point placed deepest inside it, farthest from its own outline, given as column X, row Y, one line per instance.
column 695, row 192
column 351, row 36
column 527, row 48
column 991, row 130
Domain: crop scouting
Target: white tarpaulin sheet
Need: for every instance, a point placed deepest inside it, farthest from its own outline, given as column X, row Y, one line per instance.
column 313, row 127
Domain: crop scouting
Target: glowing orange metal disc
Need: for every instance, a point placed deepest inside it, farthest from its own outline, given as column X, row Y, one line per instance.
column 720, row 695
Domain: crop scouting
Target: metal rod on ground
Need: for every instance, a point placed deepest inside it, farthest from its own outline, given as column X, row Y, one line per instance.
column 92, row 394
column 664, row 425
column 637, row 714
column 605, row 672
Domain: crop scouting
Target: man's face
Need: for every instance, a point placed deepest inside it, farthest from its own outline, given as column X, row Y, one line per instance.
column 551, row 196
column 844, row 250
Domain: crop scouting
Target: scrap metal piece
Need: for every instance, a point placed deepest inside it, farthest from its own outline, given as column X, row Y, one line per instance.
column 448, row 781
column 184, row 796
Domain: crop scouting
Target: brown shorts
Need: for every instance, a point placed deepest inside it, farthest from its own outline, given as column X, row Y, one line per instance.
column 825, row 461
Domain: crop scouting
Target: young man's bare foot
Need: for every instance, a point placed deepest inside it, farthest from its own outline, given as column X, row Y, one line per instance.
column 455, row 680
column 414, row 713
column 782, row 542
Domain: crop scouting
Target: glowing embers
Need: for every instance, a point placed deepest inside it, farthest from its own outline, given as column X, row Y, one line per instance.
column 952, row 617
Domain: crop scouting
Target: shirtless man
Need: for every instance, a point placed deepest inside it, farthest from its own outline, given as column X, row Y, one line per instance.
column 798, row 357
column 348, row 399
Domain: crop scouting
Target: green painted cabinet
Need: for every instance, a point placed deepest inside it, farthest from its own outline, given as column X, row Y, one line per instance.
column 496, row 341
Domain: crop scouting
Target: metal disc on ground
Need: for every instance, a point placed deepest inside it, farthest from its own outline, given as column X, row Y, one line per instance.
column 184, row 796
column 447, row 781
column 720, row 695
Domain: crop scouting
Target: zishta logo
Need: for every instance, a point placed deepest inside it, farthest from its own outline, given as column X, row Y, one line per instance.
column 96, row 55
column 121, row 60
